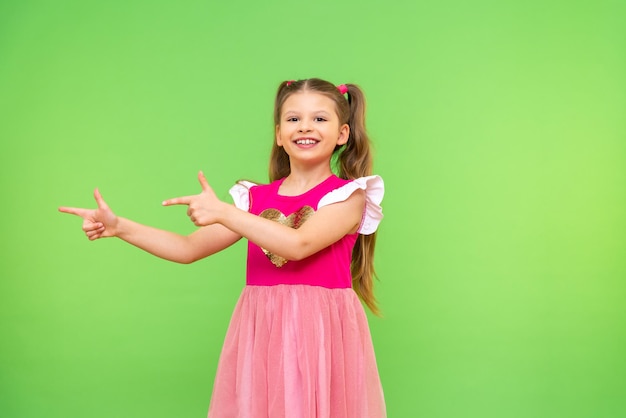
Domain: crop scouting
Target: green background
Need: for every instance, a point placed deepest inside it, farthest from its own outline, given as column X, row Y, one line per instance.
column 498, row 127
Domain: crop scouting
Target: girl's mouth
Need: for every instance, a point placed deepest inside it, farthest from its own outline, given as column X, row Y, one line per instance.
column 306, row 141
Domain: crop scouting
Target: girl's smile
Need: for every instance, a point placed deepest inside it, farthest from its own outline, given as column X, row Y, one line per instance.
column 306, row 142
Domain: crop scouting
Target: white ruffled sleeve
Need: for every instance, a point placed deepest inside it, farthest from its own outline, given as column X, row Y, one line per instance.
column 374, row 191
column 240, row 193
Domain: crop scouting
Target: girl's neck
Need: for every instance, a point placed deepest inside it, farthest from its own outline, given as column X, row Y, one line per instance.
column 300, row 181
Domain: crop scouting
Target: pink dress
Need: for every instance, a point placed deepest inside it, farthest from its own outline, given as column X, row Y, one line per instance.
column 298, row 344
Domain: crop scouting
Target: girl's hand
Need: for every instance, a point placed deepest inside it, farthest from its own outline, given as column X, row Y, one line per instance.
column 97, row 223
column 203, row 208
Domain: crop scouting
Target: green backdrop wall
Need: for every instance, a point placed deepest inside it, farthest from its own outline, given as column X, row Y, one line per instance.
column 498, row 128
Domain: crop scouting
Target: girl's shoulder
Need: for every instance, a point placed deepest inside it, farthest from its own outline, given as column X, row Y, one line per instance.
column 374, row 189
column 242, row 190
column 373, row 186
column 240, row 193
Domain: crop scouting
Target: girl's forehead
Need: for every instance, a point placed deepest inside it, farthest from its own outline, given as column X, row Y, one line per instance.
column 308, row 101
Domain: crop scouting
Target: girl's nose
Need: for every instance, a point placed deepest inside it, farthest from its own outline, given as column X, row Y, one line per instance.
column 304, row 127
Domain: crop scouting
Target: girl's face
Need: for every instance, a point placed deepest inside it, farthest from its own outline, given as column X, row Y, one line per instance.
column 309, row 128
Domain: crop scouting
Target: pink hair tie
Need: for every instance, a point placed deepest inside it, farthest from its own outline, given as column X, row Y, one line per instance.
column 289, row 82
column 343, row 89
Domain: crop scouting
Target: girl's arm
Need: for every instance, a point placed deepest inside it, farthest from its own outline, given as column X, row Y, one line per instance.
column 328, row 225
column 102, row 222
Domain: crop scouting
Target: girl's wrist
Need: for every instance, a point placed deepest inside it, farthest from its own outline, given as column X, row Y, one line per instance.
column 120, row 230
column 225, row 214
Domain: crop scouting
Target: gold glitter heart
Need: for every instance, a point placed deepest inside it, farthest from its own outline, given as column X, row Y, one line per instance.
column 295, row 221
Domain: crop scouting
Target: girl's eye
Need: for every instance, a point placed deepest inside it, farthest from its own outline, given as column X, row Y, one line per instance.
column 320, row 119
column 292, row 119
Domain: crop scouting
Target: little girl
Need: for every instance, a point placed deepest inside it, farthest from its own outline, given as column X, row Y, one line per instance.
column 298, row 344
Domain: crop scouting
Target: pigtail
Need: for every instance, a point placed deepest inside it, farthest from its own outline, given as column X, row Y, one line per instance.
column 279, row 163
column 362, row 269
column 279, row 160
column 355, row 161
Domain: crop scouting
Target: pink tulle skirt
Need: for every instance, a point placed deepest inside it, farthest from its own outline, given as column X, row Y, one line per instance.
column 297, row 351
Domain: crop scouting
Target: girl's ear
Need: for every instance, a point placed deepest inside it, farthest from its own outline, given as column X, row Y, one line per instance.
column 344, row 134
column 278, row 141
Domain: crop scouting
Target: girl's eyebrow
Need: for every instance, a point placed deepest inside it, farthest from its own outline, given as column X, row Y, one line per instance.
column 297, row 111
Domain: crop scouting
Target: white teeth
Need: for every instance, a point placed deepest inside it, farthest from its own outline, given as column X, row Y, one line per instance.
column 305, row 141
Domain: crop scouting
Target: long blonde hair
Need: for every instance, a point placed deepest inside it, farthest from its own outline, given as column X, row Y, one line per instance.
column 352, row 160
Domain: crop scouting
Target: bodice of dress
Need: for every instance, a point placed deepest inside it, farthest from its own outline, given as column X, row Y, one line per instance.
column 329, row 267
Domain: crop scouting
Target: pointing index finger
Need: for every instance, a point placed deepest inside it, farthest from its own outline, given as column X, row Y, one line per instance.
column 185, row 200
column 74, row 211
